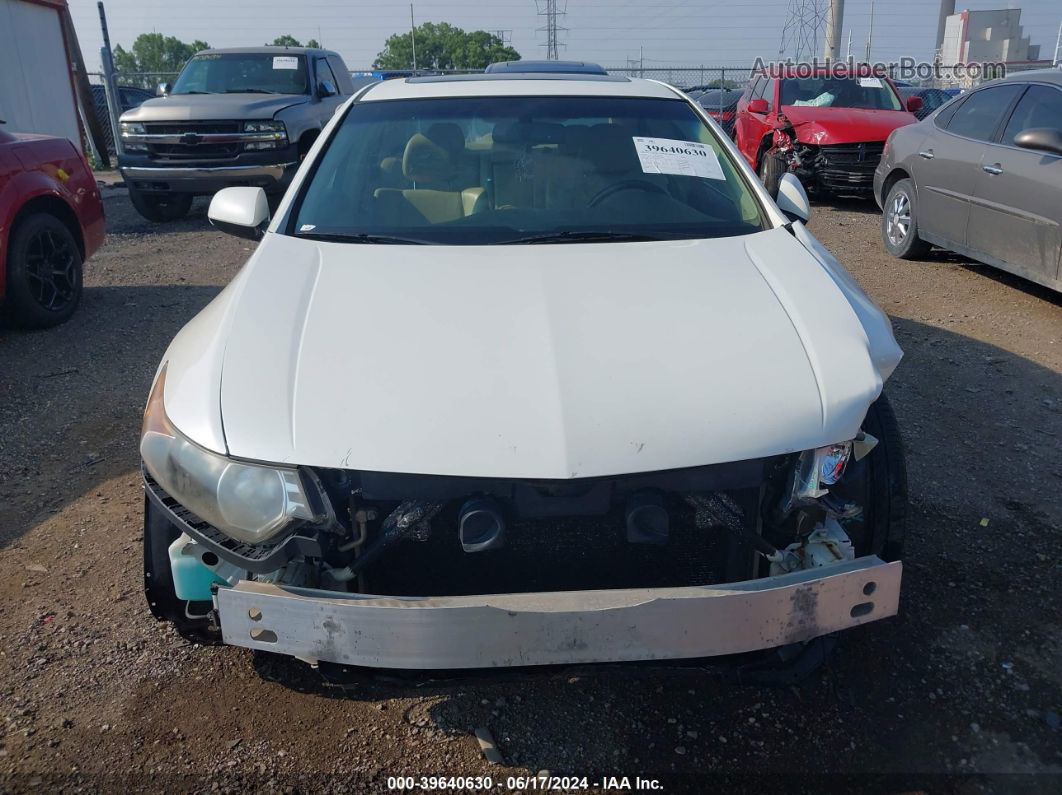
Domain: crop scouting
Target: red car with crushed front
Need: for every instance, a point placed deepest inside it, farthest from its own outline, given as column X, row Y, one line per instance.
column 828, row 129
column 51, row 221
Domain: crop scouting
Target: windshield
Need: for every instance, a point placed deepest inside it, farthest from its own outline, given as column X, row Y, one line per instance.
column 485, row 170
column 240, row 73
column 840, row 92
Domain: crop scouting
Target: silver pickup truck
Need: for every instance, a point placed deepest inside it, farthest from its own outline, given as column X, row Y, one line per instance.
column 234, row 117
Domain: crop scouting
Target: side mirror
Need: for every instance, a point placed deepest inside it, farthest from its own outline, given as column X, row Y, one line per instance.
column 915, row 104
column 758, row 106
column 792, row 199
column 243, row 212
column 164, row 89
column 1042, row 139
column 326, row 88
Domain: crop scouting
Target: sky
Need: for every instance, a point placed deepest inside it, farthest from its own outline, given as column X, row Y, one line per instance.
column 664, row 32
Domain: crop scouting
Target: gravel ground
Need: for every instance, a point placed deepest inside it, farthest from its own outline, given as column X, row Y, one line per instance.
column 960, row 693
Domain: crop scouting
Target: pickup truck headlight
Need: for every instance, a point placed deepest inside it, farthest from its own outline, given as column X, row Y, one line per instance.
column 132, row 128
column 251, row 503
column 268, row 135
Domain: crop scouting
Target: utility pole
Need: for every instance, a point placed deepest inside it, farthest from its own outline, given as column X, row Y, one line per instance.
column 870, row 36
column 641, row 61
column 848, row 57
column 1058, row 45
column 552, row 10
column 834, row 26
column 110, row 85
column 413, row 37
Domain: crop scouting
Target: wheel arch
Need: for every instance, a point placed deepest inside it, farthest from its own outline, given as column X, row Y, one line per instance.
column 52, row 205
column 307, row 139
column 893, row 177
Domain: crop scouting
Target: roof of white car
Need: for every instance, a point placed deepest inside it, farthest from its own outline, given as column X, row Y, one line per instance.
column 518, row 85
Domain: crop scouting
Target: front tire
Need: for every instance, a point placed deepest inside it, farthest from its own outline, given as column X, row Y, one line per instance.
column 878, row 483
column 160, row 207
column 899, row 222
column 772, row 168
column 44, row 272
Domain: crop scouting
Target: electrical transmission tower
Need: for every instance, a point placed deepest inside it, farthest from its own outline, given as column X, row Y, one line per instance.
column 504, row 36
column 552, row 10
column 802, row 33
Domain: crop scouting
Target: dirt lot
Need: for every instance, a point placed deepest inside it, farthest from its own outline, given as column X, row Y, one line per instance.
column 962, row 692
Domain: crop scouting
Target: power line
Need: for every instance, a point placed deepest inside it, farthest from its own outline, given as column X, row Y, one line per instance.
column 552, row 10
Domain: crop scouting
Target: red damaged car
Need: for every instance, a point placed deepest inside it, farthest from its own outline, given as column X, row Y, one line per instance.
column 828, row 129
column 51, row 221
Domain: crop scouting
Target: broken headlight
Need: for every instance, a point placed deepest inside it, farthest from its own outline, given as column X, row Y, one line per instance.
column 831, row 461
column 251, row 503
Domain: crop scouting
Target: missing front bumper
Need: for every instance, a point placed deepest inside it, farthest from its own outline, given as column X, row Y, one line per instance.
column 491, row 631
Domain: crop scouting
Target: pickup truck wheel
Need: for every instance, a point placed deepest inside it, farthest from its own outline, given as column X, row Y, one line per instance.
column 771, row 170
column 160, row 207
column 899, row 223
column 190, row 619
column 44, row 276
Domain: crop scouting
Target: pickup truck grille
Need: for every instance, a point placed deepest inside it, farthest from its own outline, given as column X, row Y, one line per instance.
column 193, row 150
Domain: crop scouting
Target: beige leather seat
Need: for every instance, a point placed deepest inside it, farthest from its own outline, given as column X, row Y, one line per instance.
column 432, row 166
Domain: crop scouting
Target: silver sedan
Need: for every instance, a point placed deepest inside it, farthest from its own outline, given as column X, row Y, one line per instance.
column 982, row 176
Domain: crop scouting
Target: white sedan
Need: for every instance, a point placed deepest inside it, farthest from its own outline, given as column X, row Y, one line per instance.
column 525, row 369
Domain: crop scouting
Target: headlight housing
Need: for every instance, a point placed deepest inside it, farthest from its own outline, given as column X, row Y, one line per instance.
column 268, row 135
column 252, row 503
column 132, row 128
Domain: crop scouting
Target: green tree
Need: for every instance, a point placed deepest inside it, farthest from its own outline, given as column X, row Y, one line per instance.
column 442, row 46
column 291, row 41
column 154, row 52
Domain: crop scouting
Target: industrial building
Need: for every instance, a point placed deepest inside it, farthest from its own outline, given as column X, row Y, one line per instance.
column 986, row 37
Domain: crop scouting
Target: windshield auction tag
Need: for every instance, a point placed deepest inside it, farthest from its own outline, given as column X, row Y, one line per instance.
column 285, row 62
column 665, row 156
column 870, row 82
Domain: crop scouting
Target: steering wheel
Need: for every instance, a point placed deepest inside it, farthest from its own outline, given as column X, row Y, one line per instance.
column 622, row 185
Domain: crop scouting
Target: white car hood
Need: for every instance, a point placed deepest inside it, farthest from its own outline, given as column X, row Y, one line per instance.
column 541, row 361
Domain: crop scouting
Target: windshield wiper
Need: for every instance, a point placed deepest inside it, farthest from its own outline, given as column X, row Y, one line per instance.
column 182, row 93
column 340, row 237
column 585, row 236
column 249, row 91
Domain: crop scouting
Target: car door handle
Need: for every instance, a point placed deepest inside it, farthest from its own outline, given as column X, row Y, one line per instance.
column 928, row 154
column 993, row 169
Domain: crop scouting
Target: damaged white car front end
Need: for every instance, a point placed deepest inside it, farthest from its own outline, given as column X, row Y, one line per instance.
column 489, row 415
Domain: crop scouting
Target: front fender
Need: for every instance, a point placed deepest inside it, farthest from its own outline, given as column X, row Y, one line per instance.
column 22, row 188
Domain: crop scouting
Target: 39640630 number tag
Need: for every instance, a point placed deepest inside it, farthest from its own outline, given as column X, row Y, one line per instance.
column 686, row 158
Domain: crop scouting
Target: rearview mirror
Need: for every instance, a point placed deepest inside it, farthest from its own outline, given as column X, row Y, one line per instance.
column 915, row 104
column 792, row 199
column 164, row 89
column 243, row 212
column 1043, row 139
column 758, row 106
column 326, row 88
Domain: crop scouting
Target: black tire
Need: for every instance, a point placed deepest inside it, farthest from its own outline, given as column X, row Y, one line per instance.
column 190, row 619
column 899, row 222
column 44, row 272
column 879, row 484
column 772, row 168
column 161, row 207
